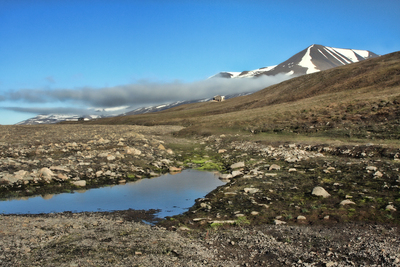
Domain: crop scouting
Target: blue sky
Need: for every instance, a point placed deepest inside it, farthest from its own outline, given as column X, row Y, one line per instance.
column 67, row 55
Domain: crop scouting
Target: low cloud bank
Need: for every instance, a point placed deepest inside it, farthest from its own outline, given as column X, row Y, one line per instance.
column 139, row 94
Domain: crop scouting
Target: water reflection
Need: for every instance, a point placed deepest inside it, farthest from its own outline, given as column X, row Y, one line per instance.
column 172, row 194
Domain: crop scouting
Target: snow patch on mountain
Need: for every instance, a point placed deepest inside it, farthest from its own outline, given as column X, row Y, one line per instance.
column 306, row 62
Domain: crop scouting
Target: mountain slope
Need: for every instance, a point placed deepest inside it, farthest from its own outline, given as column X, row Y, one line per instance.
column 312, row 59
column 327, row 95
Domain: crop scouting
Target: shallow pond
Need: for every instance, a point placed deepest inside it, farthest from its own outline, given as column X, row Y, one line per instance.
column 171, row 194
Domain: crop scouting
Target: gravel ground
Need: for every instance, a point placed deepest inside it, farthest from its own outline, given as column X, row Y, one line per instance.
column 122, row 239
column 115, row 239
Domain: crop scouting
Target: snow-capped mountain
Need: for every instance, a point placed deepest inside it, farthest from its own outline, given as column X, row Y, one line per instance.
column 312, row 59
column 175, row 104
column 55, row 118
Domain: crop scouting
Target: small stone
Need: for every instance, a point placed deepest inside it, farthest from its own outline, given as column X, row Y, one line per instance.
column 175, row 169
column 62, row 177
column 161, row 147
column 220, row 151
column 255, row 213
column 79, row 183
column 378, row 174
column 371, row 168
column 301, row 217
column 320, row 191
column 279, row 222
column 238, row 165
column 110, row 157
column 132, row 151
column 251, row 190
column 236, row 173
column 346, row 202
column 46, row 174
column 274, row 167
column 225, row 176
column 390, row 208
column 292, row 170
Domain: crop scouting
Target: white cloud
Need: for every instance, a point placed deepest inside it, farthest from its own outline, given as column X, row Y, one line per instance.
column 138, row 94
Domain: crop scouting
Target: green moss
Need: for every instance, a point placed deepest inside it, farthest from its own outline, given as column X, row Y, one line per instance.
column 242, row 221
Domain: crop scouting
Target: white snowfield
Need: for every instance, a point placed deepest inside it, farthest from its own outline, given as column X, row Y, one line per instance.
column 306, row 62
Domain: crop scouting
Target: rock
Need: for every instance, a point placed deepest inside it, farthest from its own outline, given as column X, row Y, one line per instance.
column 254, row 213
column 291, row 160
column 292, row 170
column 220, row 151
column 59, row 168
column 81, row 183
column 301, row 217
column 46, row 174
column 251, row 190
column 175, row 169
column 122, row 181
column 320, row 191
column 279, row 222
column 161, row 147
column 378, row 174
column 371, row 168
column 132, row 151
column 110, row 157
column 236, row 173
column 199, row 219
column 205, row 206
column 238, row 165
column 222, row 222
column 347, row 202
column 9, row 179
column 390, row 208
column 225, row 176
column 20, row 175
column 61, row 177
column 274, row 167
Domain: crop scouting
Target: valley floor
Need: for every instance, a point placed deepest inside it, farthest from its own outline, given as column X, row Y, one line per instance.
column 266, row 215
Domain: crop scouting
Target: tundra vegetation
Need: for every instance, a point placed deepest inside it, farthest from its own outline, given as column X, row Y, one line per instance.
column 312, row 168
